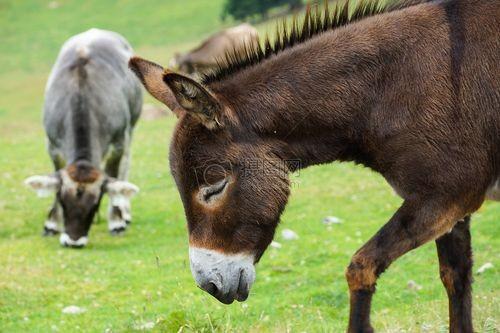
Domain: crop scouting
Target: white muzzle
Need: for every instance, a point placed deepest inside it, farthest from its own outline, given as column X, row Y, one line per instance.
column 65, row 240
column 225, row 276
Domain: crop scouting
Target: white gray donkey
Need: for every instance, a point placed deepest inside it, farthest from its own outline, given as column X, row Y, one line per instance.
column 92, row 102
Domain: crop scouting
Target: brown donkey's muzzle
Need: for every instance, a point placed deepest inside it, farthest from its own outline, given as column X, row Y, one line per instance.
column 227, row 277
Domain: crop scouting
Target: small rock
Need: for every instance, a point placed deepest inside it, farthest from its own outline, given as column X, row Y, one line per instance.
column 412, row 285
column 427, row 327
column 331, row 220
column 73, row 309
column 53, row 5
column 484, row 268
column 149, row 325
column 288, row 234
column 276, row 245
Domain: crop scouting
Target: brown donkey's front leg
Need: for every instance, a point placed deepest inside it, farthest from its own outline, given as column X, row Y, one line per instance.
column 455, row 266
column 415, row 223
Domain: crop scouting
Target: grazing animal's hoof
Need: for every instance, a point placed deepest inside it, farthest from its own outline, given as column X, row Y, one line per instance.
column 117, row 227
column 50, row 228
column 49, row 232
column 117, row 231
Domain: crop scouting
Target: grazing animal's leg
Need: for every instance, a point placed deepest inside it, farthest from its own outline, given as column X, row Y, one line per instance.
column 125, row 161
column 119, row 216
column 126, row 210
column 112, row 166
column 455, row 266
column 415, row 223
column 116, row 223
column 53, row 223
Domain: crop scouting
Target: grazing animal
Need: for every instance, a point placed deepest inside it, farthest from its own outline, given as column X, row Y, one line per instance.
column 410, row 91
column 92, row 102
column 204, row 58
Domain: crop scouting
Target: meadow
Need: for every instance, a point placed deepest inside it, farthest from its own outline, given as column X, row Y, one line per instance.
column 141, row 280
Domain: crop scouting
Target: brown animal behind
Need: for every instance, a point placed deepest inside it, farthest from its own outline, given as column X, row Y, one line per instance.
column 204, row 58
column 411, row 92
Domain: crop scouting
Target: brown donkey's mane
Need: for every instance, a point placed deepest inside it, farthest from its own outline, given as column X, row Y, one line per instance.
column 288, row 35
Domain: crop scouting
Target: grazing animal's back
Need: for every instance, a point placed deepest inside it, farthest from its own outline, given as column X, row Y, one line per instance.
column 91, row 72
column 206, row 56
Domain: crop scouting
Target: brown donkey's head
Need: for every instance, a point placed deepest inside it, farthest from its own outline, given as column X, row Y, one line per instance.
column 232, row 183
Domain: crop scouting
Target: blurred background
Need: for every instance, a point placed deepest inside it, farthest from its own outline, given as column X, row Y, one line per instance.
column 141, row 281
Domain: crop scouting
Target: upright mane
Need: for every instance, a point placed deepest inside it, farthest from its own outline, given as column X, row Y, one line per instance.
column 288, row 35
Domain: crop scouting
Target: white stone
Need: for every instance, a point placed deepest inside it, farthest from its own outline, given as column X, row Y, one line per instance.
column 149, row 325
column 332, row 220
column 412, row 285
column 73, row 309
column 289, row 234
column 276, row 245
column 53, row 5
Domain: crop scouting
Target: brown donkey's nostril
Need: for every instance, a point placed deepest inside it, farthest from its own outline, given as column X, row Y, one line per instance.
column 242, row 293
column 210, row 288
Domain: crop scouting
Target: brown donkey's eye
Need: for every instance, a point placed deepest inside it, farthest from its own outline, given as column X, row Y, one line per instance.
column 211, row 193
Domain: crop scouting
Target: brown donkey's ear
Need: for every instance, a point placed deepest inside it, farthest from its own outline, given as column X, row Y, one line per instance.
column 151, row 76
column 195, row 99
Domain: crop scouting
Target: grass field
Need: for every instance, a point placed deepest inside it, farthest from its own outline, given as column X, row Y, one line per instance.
column 126, row 283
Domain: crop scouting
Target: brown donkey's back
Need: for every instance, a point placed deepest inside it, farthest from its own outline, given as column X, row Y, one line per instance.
column 411, row 92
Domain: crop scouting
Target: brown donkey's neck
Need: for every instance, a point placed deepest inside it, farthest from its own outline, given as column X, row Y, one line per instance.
column 315, row 100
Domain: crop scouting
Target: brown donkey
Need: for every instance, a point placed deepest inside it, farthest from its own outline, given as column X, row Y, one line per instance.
column 411, row 91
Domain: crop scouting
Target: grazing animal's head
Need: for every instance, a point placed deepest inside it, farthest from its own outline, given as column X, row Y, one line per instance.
column 232, row 183
column 79, row 188
column 182, row 63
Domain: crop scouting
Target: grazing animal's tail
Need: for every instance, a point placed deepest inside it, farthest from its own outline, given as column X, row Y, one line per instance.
column 79, row 64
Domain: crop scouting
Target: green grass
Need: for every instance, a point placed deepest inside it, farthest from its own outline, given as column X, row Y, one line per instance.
column 144, row 276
